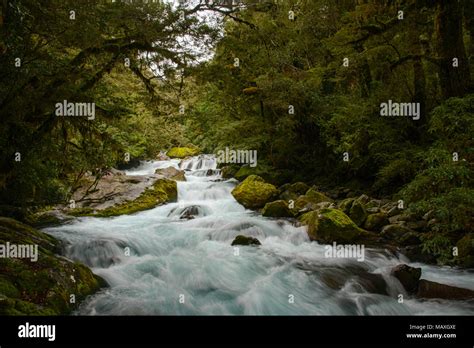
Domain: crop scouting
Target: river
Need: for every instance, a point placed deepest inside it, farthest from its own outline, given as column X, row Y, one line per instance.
column 160, row 264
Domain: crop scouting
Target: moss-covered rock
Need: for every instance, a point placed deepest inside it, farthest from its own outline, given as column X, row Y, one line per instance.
column 357, row 213
column 346, row 205
column 254, row 192
column 244, row 240
column 229, row 171
column 394, row 232
column 182, row 152
column 47, row 218
column 375, row 222
column 293, row 191
column 331, row 225
column 261, row 170
column 277, row 209
column 161, row 192
column 317, row 197
column 171, row 173
column 44, row 286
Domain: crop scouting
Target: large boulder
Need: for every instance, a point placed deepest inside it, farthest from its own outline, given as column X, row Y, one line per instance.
column 254, row 192
column 429, row 289
column 161, row 192
column 331, row 225
column 277, row 209
column 42, row 286
column 182, row 152
column 171, row 173
column 375, row 222
column 408, row 276
column 293, row 191
column 244, row 240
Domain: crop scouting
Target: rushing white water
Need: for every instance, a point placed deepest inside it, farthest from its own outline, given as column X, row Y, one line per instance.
column 187, row 266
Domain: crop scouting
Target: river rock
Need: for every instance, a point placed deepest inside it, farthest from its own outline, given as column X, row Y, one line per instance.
column 331, row 225
column 357, row 213
column 293, row 191
column 244, row 240
column 229, row 171
column 408, row 276
column 317, row 197
column 277, row 209
column 48, row 218
column 346, row 205
column 394, row 231
column 254, row 192
column 42, row 287
column 375, row 222
column 429, row 289
column 171, row 173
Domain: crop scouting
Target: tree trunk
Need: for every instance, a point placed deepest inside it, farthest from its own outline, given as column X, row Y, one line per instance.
column 455, row 81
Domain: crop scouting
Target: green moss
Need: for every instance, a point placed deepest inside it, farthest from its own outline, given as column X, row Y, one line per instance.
column 42, row 287
column 182, row 152
column 331, row 225
column 375, row 222
column 357, row 213
column 254, row 192
column 162, row 191
column 466, row 250
column 317, row 197
column 346, row 205
column 277, row 209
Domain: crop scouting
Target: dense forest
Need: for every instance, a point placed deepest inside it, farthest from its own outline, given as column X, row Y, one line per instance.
column 302, row 82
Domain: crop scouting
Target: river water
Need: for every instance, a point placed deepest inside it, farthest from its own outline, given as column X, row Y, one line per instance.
column 158, row 263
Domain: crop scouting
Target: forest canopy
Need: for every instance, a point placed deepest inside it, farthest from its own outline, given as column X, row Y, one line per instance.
column 299, row 81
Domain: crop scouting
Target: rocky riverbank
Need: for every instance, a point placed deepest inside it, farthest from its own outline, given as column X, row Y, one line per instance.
column 331, row 217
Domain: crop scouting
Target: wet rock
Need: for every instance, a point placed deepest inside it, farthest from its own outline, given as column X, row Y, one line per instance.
column 408, row 276
column 373, row 210
column 331, row 225
column 363, row 199
column 277, row 209
column 293, row 191
column 244, row 240
column 358, row 213
column 394, row 231
column 394, row 211
column 190, row 212
column 254, row 192
column 42, row 287
column 317, row 197
column 48, row 218
column 429, row 289
column 417, row 225
column 346, row 205
column 229, row 171
column 171, row 173
column 375, row 222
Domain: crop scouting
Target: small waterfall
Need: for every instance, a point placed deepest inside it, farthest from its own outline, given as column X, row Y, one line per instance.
column 184, row 248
